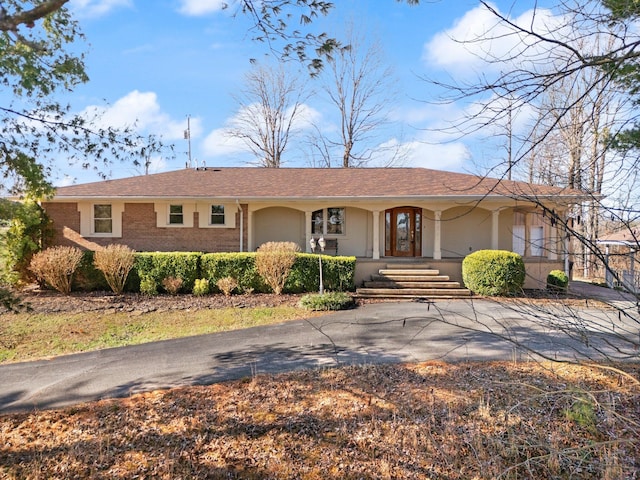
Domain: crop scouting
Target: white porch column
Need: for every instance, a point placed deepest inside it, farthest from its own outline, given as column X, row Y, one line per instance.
column 250, row 240
column 307, row 231
column 495, row 231
column 554, row 244
column 437, row 236
column 376, row 234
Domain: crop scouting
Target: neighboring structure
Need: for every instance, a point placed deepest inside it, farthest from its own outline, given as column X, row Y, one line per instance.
column 622, row 260
column 379, row 215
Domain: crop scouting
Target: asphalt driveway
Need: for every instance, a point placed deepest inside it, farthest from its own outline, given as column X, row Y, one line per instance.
column 452, row 330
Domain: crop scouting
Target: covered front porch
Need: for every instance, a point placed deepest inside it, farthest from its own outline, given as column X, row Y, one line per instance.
column 436, row 236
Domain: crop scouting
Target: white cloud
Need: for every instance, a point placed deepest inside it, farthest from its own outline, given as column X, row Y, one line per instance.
column 196, row 8
column 439, row 156
column 219, row 144
column 97, row 8
column 142, row 111
column 479, row 38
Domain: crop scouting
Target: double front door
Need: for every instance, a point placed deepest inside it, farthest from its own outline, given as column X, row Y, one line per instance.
column 403, row 227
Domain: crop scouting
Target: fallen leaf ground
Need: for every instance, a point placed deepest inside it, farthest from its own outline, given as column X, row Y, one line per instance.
column 426, row 420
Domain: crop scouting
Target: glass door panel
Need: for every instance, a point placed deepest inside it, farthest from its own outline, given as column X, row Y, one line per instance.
column 402, row 232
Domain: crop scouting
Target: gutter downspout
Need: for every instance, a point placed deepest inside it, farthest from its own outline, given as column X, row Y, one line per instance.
column 241, row 225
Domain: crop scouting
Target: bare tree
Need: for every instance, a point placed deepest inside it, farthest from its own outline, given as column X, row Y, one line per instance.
column 359, row 86
column 269, row 105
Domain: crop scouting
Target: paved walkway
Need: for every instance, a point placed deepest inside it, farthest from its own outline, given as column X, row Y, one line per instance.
column 451, row 330
column 585, row 289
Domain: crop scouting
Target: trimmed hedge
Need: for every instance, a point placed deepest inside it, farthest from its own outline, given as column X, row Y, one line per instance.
column 557, row 280
column 338, row 272
column 156, row 266
column 493, row 272
column 239, row 265
column 88, row 278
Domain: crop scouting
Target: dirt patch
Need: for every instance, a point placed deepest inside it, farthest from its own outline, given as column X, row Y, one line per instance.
column 46, row 301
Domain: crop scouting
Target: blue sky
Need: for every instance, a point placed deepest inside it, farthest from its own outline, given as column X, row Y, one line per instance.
column 160, row 61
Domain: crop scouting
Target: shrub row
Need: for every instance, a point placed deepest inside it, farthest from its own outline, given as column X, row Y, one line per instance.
column 152, row 268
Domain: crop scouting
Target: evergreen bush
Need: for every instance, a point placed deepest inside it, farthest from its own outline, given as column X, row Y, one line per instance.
column 557, row 280
column 201, row 287
column 161, row 265
column 327, row 301
column 493, row 272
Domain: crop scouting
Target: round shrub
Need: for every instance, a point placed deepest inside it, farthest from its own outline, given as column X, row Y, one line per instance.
column 201, row 287
column 557, row 280
column 493, row 272
column 327, row 301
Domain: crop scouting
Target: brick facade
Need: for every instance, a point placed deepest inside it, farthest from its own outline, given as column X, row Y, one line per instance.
column 140, row 232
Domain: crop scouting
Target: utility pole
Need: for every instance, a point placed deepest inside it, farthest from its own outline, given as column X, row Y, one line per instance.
column 187, row 136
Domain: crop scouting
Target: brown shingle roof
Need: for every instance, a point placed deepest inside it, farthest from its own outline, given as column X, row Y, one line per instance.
column 265, row 183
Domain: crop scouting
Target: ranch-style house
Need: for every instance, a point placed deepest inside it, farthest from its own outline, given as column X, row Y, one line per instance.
column 381, row 216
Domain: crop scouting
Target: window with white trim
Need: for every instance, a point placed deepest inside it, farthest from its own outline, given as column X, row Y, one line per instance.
column 102, row 218
column 328, row 221
column 176, row 215
column 536, row 239
column 528, row 231
column 217, row 215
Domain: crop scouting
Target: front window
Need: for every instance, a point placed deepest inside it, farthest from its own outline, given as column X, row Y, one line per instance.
column 217, row 215
column 102, row 219
column 328, row 221
column 176, row 215
column 317, row 222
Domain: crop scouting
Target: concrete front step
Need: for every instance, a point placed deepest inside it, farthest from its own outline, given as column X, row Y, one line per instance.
column 408, row 266
column 413, row 292
column 408, row 271
column 410, row 278
column 411, row 284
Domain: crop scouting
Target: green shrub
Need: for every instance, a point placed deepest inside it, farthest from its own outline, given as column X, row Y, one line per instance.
column 88, row 278
column 274, row 261
column 28, row 230
column 241, row 266
column 493, row 272
column 557, row 280
column 201, row 287
column 338, row 274
column 148, row 285
column 161, row 265
column 56, row 266
column 327, row 301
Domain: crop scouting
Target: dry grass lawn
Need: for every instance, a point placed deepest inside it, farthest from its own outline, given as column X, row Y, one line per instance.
column 427, row 420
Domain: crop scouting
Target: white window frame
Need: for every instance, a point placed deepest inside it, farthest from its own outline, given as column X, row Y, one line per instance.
column 175, row 214
column 204, row 215
column 87, row 220
column 163, row 214
column 96, row 219
column 536, row 241
column 213, row 214
column 519, row 242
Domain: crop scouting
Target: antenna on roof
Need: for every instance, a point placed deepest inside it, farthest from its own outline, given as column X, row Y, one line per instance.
column 187, row 136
